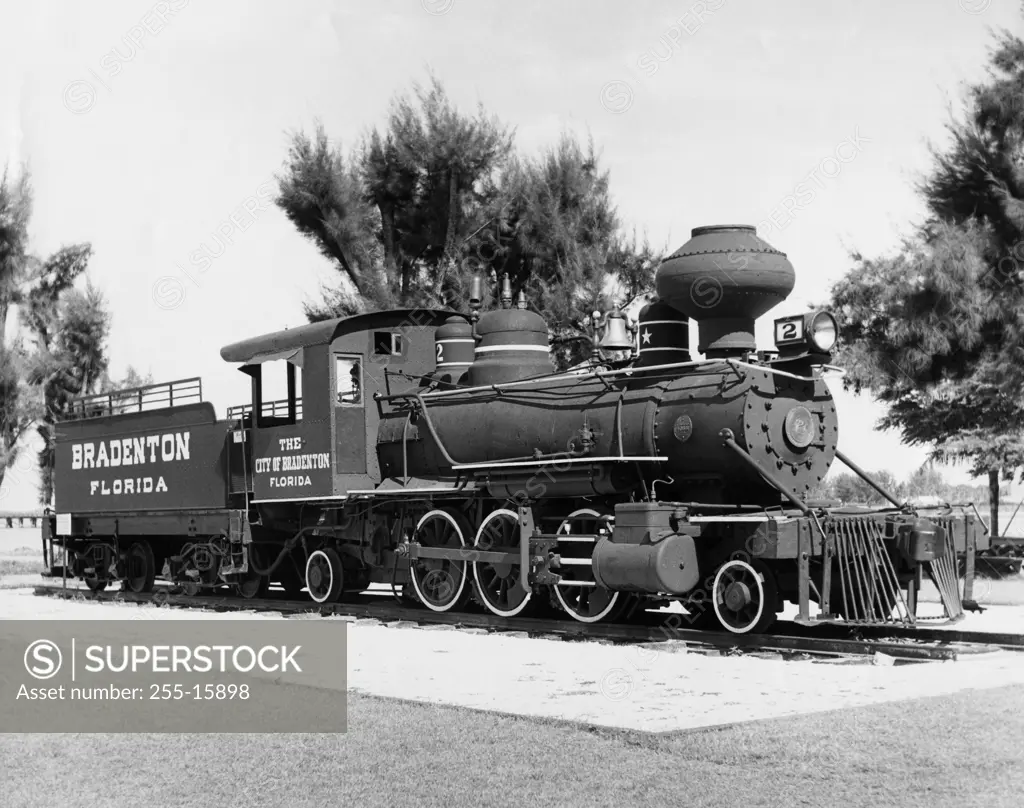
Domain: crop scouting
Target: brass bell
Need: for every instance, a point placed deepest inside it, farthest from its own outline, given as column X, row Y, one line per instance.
column 615, row 337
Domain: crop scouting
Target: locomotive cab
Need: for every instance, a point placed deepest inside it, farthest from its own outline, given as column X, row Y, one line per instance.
column 311, row 444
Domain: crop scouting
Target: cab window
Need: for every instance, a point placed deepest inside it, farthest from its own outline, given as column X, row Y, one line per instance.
column 349, row 376
column 279, row 391
column 387, row 343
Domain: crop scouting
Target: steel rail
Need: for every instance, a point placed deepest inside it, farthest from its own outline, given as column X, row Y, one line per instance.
column 940, row 635
column 654, row 628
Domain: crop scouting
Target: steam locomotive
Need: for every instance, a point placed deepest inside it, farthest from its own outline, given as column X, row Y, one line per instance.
column 442, row 455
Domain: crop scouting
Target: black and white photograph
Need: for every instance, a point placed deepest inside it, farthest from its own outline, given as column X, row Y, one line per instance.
column 464, row 404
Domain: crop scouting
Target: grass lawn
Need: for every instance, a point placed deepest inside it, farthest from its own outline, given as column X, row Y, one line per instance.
column 999, row 591
column 20, row 566
column 959, row 750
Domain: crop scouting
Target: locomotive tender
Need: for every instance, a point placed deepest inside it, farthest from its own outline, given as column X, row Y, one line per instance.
column 442, row 455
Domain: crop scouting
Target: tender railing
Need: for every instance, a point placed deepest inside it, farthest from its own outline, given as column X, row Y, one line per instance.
column 269, row 409
column 137, row 399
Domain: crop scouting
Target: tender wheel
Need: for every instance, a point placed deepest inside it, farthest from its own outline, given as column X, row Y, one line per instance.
column 324, row 575
column 498, row 585
column 98, row 559
column 744, row 596
column 440, row 584
column 141, row 568
column 592, row 603
column 200, row 572
column 252, row 584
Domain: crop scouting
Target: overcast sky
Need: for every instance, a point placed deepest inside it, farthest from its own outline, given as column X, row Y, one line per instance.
column 150, row 127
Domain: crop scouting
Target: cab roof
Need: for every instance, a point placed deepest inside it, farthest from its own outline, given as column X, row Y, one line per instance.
column 288, row 343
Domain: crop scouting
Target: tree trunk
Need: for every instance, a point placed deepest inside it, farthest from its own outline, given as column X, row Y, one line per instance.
column 993, row 502
column 387, row 231
column 452, row 229
column 5, row 305
column 46, row 463
column 350, row 269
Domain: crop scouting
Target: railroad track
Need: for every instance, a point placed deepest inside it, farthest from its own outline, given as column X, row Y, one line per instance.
column 789, row 638
column 1010, row 642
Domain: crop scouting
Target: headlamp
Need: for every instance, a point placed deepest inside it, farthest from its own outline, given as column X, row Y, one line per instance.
column 816, row 331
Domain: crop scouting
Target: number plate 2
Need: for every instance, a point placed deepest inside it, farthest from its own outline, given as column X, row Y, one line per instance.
column 789, row 330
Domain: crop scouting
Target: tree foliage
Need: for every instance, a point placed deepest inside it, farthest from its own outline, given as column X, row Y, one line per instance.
column 322, row 196
column 413, row 211
column 58, row 351
column 403, row 208
column 70, row 361
column 559, row 240
column 851, row 489
column 925, row 484
column 15, row 212
column 936, row 331
column 17, row 407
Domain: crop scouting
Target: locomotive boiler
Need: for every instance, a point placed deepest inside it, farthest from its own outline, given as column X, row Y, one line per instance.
column 442, row 455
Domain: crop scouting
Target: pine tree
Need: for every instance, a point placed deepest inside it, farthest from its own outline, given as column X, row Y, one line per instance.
column 936, row 332
column 59, row 349
column 439, row 196
column 559, row 240
column 322, row 195
column 400, row 213
column 17, row 408
column 71, row 361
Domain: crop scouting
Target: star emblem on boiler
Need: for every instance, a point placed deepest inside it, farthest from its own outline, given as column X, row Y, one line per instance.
column 647, row 337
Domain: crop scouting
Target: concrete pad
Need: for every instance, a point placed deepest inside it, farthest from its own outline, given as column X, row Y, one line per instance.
column 645, row 687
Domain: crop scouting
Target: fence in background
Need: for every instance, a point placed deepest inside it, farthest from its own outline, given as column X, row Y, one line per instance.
column 25, row 519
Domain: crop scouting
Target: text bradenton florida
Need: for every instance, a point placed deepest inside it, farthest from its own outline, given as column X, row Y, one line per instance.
column 169, row 447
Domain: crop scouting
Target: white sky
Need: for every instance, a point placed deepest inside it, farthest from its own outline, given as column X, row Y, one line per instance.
column 180, row 130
